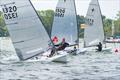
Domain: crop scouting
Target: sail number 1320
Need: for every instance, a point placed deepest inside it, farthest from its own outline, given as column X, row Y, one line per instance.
column 10, row 12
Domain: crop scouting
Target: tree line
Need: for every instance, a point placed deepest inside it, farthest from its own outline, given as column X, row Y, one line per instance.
column 47, row 20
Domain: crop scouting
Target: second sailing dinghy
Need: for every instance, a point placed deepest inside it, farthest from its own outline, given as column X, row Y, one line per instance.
column 94, row 32
column 27, row 32
column 65, row 25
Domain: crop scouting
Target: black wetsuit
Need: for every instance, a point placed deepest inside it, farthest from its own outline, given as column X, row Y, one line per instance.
column 63, row 46
column 99, row 47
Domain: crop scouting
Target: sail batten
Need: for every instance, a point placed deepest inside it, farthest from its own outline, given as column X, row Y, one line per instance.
column 26, row 30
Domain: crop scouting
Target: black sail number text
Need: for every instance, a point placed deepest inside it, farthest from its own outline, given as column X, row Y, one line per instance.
column 60, row 12
column 10, row 12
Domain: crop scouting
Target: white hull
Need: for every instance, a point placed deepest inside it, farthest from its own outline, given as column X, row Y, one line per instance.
column 113, row 41
column 60, row 57
column 82, row 50
column 108, row 49
column 79, row 50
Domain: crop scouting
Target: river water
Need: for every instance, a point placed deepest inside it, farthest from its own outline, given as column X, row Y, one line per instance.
column 88, row 66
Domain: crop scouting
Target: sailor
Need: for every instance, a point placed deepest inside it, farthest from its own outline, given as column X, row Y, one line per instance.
column 62, row 45
column 99, row 46
column 52, row 52
column 74, row 51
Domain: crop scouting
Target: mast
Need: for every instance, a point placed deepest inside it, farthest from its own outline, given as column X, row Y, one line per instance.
column 77, row 24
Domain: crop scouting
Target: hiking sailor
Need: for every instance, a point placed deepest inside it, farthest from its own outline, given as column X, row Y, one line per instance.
column 99, row 46
column 62, row 45
column 59, row 47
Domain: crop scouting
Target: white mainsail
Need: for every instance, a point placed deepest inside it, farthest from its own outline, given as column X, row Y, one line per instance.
column 26, row 29
column 94, row 32
column 65, row 22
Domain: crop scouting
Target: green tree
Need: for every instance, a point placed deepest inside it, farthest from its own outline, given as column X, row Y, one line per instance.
column 47, row 19
column 117, row 24
column 3, row 29
column 80, row 20
column 107, row 23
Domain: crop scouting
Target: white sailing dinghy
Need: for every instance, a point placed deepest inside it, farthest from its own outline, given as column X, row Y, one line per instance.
column 27, row 32
column 65, row 24
column 94, row 32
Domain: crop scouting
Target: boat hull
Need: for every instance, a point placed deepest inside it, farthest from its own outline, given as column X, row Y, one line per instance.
column 78, row 51
column 108, row 49
column 113, row 41
column 59, row 57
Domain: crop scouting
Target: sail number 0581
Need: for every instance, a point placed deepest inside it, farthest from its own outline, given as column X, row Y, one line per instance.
column 10, row 12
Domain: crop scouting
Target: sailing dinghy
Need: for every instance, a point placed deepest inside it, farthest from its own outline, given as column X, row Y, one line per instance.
column 65, row 25
column 27, row 32
column 94, row 32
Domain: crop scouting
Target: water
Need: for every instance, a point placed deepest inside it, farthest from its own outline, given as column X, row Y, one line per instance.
column 89, row 66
